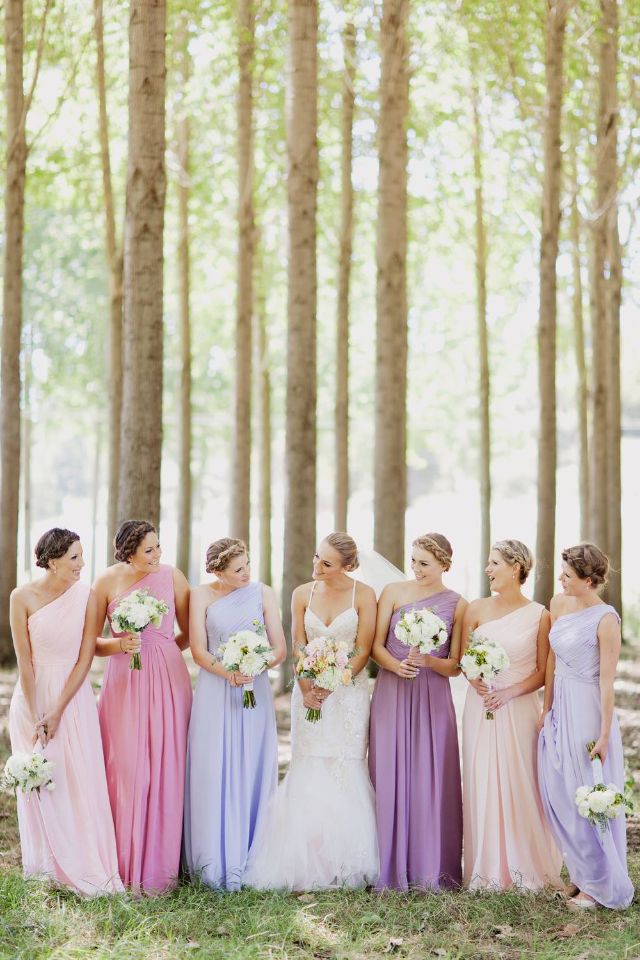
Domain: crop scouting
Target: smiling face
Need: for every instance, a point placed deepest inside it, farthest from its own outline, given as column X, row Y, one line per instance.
column 146, row 558
column 237, row 573
column 426, row 569
column 572, row 584
column 500, row 573
column 69, row 566
column 327, row 563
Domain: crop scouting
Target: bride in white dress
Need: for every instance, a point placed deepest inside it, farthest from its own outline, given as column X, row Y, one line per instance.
column 320, row 831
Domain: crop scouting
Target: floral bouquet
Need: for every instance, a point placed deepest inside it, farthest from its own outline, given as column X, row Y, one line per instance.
column 248, row 652
column 483, row 660
column 27, row 772
column 135, row 612
column 326, row 662
column 601, row 802
column 422, row 629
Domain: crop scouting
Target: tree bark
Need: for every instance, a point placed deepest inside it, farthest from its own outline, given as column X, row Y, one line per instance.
column 264, row 427
column 557, row 11
column 390, row 470
column 341, row 493
column 95, row 497
column 16, row 160
column 582, row 395
column 484, row 394
column 27, row 428
column 241, row 442
column 302, row 190
column 115, row 262
column 141, row 437
column 184, row 173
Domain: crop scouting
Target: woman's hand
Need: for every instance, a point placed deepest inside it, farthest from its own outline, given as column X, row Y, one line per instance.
column 47, row 727
column 322, row 693
column 311, row 699
column 494, row 699
column 600, row 748
column 237, row 679
column 406, row 669
column 479, row 686
column 130, row 643
column 541, row 719
column 418, row 659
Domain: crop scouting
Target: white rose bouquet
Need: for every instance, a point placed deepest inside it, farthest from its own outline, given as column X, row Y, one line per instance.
column 27, row 772
column 248, row 652
column 135, row 612
column 422, row 629
column 601, row 802
column 326, row 662
column 483, row 660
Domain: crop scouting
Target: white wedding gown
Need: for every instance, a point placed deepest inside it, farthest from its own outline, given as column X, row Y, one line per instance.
column 320, row 831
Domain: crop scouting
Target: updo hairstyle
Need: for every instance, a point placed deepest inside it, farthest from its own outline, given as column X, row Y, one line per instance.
column 515, row 551
column 221, row 552
column 438, row 546
column 130, row 535
column 346, row 547
column 588, row 562
column 53, row 544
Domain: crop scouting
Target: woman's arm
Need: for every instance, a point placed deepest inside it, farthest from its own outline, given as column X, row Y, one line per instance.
column 107, row 646
column 181, row 592
column 470, row 622
column 495, row 699
column 610, row 640
column 200, row 600
column 445, row 666
column 367, row 608
column 299, row 599
column 48, row 726
column 384, row 659
column 18, row 618
column 273, row 625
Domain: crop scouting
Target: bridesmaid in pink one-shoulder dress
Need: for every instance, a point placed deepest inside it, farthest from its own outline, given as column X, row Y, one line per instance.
column 144, row 714
column 66, row 835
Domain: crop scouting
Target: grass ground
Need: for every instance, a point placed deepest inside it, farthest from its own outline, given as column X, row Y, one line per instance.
column 193, row 923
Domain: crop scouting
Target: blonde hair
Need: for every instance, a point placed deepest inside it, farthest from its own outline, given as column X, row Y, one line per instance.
column 438, row 546
column 588, row 562
column 221, row 552
column 515, row 551
column 346, row 546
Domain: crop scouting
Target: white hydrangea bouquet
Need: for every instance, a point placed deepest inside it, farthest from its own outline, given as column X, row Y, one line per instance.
column 422, row 629
column 135, row 612
column 601, row 802
column 325, row 661
column 248, row 652
column 28, row 772
column 483, row 659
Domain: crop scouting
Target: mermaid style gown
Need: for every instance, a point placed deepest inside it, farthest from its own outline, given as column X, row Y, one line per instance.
column 596, row 861
column 66, row 835
column 415, row 768
column 144, row 717
column 320, row 831
column 232, row 757
column 507, row 841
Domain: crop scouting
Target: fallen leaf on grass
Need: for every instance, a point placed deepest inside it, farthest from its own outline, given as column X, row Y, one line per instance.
column 502, row 931
column 394, row 944
column 570, row 930
column 304, row 898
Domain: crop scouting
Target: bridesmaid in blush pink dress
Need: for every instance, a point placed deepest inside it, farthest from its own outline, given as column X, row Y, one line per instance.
column 66, row 835
column 144, row 714
column 507, row 842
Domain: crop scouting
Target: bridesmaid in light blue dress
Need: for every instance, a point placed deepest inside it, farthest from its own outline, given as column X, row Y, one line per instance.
column 578, row 709
column 232, row 757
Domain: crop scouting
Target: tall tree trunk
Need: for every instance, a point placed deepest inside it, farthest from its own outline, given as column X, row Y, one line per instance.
column 95, row 497
column 264, row 426
column 557, row 11
column 241, row 443
column 607, row 189
column 582, row 398
column 141, row 437
column 341, row 494
column 302, row 190
column 184, row 173
column 115, row 262
column 27, row 428
column 483, row 340
column 16, row 159
column 390, row 469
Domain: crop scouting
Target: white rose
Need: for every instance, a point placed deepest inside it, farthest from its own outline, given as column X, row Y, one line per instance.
column 582, row 793
column 470, row 667
column 583, row 808
column 599, row 801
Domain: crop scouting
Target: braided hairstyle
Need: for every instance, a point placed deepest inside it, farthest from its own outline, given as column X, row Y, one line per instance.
column 130, row 535
column 588, row 562
column 515, row 551
column 438, row 546
column 53, row 544
column 221, row 552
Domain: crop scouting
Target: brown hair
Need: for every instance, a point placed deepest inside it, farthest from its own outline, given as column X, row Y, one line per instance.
column 53, row 544
column 515, row 551
column 346, row 547
column 438, row 545
column 130, row 535
column 588, row 562
column 221, row 552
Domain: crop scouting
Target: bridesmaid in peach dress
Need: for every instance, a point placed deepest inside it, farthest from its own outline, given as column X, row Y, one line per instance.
column 144, row 714
column 507, row 842
column 66, row 835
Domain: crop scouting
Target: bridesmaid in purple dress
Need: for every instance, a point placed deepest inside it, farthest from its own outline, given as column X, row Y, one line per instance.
column 413, row 742
column 578, row 708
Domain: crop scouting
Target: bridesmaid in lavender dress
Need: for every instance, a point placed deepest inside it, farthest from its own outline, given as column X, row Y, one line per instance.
column 413, row 753
column 578, row 708
column 232, row 761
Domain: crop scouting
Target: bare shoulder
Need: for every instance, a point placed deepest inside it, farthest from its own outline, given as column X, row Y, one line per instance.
column 480, row 607
column 301, row 593
column 461, row 607
column 560, row 604
column 365, row 593
column 397, row 590
column 179, row 578
column 20, row 596
column 202, row 593
column 108, row 578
